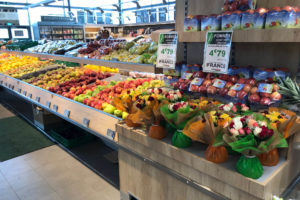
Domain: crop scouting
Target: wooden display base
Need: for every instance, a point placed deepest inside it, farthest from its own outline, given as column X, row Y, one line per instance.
column 101, row 123
column 162, row 173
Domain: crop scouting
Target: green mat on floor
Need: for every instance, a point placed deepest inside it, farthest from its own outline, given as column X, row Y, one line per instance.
column 17, row 138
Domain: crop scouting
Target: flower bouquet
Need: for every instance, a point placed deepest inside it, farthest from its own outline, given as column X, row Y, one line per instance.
column 235, row 108
column 284, row 121
column 141, row 113
column 204, row 128
column 156, row 130
column 252, row 135
column 177, row 115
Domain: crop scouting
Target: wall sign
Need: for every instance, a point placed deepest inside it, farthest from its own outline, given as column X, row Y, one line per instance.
column 217, row 51
column 166, row 52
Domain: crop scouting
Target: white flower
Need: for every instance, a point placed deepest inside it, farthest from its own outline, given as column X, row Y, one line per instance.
column 262, row 123
column 237, row 123
column 175, row 96
column 257, row 131
column 170, row 106
column 226, row 108
column 230, row 104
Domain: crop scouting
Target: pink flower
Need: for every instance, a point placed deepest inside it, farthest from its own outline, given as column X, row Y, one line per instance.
column 255, row 124
column 234, row 109
column 241, row 131
column 245, row 108
column 233, row 131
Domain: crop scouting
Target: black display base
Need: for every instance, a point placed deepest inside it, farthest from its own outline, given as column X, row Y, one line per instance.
column 96, row 155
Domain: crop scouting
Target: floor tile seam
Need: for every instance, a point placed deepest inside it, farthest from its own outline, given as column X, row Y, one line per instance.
column 10, row 185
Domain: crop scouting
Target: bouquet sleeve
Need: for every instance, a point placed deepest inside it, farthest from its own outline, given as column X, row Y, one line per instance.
column 199, row 129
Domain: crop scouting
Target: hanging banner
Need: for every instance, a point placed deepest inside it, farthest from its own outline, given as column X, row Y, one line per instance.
column 166, row 52
column 217, row 51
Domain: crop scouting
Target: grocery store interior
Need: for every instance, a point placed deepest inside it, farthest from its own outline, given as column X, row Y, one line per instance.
column 149, row 100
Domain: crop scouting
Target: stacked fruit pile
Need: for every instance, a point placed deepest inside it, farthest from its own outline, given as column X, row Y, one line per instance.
column 120, row 50
column 13, row 62
column 27, row 69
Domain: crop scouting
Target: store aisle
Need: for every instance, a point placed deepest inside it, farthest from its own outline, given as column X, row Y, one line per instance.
column 51, row 174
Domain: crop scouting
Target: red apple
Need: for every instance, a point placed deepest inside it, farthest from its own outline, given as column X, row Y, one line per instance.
column 275, row 87
column 275, row 96
column 253, row 90
column 211, row 90
column 194, row 88
column 261, row 11
column 224, row 77
column 276, row 9
column 229, row 85
column 223, row 91
column 202, row 89
column 249, row 11
column 254, row 97
column 247, row 87
column 265, row 101
column 231, row 93
column 251, row 81
column 288, row 8
column 242, row 81
column 233, row 79
column 264, row 94
column 241, row 94
column 207, row 82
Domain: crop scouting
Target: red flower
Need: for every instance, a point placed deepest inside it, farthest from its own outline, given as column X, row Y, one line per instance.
column 247, row 130
column 231, row 124
column 243, row 120
column 176, row 107
column 264, row 132
column 238, row 104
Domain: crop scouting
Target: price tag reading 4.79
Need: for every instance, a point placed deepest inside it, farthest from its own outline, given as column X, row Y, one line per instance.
column 166, row 53
column 217, row 51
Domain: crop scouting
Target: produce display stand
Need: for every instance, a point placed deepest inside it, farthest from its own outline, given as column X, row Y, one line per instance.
column 168, row 172
column 97, row 122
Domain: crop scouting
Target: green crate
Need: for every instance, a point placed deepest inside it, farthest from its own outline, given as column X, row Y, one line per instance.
column 80, row 136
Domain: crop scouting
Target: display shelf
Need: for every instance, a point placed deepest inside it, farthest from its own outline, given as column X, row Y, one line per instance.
column 101, row 123
column 114, row 64
column 214, row 181
column 255, row 35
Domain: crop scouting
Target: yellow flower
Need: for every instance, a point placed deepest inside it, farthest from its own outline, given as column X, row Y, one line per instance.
column 226, row 117
column 274, row 116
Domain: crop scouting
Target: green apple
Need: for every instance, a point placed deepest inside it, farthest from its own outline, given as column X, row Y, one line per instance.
column 76, row 98
column 124, row 115
column 88, row 92
column 109, row 109
column 104, row 105
column 118, row 113
column 80, row 99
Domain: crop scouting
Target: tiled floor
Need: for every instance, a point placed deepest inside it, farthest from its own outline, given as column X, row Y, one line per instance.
column 51, row 174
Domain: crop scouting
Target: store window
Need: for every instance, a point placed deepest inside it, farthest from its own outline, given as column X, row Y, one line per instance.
column 153, row 17
column 100, row 18
column 108, row 18
column 162, row 14
column 90, row 18
column 80, row 17
column 142, row 16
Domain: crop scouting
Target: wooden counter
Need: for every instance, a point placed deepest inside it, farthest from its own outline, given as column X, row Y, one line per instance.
column 154, row 169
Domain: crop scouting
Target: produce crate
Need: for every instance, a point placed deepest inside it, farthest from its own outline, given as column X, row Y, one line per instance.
column 71, row 136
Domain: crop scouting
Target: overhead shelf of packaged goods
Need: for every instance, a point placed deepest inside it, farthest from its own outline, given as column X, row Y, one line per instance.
column 255, row 35
column 95, row 121
column 106, row 63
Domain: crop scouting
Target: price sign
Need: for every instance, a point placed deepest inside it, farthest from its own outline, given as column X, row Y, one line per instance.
column 166, row 52
column 217, row 51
